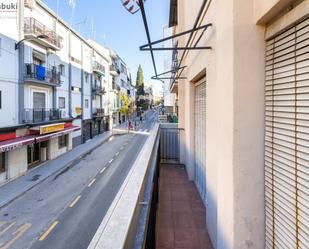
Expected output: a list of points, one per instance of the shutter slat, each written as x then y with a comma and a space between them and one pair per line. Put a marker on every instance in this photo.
287, 139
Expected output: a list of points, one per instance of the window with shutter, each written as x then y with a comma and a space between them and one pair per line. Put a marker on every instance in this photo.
287, 139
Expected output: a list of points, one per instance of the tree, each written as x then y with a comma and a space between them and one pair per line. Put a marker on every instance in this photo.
140, 91
140, 82
125, 104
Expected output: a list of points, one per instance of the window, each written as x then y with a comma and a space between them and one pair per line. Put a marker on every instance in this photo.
86, 103
61, 102
62, 141
122, 68
0, 100
62, 69
86, 77
2, 162
0, 47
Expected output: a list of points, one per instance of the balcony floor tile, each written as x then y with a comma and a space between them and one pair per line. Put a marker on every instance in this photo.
181, 214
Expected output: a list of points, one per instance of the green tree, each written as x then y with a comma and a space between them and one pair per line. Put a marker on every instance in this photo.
140, 82
140, 91
125, 104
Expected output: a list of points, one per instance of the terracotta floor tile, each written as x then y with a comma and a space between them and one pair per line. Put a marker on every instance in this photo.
197, 206
199, 219
181, 207
165, 195
204, 239
165, 206
186, 237
184, 220
180, 196
164, 220
165, 238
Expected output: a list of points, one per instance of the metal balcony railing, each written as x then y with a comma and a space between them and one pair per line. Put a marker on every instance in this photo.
99, 90
35, 28
39, 73
114, 70
99, 112
39, 115
97, 67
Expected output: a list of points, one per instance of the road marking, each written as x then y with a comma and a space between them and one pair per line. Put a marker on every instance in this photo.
110, 161
18, 233
102, 170
117, 154
48, 231
75, 201
92, 182
7, 228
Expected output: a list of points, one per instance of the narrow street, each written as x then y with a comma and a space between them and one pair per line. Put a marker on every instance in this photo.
73, 202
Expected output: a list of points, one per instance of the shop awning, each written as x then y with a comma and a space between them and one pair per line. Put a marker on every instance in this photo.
57, 134
16, 143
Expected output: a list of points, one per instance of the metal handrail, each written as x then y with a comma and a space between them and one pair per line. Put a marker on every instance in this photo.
33, 26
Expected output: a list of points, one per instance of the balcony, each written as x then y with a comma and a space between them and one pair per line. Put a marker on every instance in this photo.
98, 68
34, 28
39, 74
99, 112
41, 115
174, 87
114, 70
157, 207
98, 90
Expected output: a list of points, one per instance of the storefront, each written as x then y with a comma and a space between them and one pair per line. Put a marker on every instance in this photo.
34, 146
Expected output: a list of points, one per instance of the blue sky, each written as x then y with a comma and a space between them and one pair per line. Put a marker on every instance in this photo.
118, 29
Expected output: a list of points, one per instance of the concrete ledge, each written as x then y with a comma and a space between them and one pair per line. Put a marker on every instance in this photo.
115, 229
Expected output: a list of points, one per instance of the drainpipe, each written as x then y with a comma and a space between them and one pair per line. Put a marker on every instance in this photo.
82, 92
21, 62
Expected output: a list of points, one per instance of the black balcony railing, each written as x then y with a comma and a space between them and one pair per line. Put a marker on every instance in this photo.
42, 74
113, 69
34, 27
99, 112
99, 90
39, 115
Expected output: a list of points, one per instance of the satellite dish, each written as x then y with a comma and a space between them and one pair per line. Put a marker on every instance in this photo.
132, 6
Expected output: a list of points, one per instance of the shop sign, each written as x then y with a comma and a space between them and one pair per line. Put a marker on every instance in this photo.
51, 128
78, 110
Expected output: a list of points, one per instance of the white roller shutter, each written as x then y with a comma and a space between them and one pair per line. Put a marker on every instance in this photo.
200, 137
287, 139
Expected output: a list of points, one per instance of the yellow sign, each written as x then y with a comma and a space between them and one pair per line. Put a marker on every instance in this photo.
78, 110
51, 128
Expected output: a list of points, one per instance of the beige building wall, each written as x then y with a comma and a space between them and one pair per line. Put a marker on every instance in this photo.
235, 76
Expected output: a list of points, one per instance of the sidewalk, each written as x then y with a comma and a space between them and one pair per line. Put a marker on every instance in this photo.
15, 188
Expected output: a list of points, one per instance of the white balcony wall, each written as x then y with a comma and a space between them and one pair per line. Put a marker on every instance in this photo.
76, 47
8, 81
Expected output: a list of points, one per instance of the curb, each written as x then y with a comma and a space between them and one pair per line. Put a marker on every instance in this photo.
58, 172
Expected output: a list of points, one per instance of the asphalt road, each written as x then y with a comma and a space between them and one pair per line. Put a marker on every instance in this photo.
64, 211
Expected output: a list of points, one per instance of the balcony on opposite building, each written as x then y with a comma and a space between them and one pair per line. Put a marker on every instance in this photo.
99, 112
41, 115
98, 90
40, 74
33, 29
98, 68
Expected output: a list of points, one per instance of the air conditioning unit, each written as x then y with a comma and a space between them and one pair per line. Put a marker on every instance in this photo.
29, 3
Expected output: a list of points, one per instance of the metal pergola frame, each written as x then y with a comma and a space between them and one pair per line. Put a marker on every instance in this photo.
178, 70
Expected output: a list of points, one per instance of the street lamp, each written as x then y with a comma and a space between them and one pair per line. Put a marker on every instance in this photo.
17, 45
132, 6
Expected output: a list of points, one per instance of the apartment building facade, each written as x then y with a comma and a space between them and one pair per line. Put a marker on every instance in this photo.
243, 111
54, 88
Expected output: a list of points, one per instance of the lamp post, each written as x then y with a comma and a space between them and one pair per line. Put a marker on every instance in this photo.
17, 45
